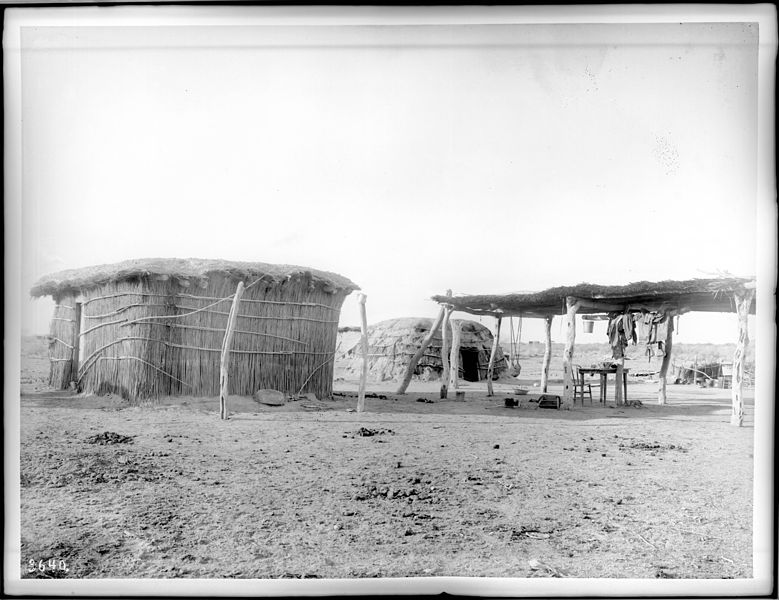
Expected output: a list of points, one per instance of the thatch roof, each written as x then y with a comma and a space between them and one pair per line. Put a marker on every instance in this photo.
192, 270
708, 295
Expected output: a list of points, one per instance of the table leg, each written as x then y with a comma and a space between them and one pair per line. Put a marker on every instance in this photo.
603, 381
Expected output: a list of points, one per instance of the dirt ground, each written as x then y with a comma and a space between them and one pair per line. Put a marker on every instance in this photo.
413, 486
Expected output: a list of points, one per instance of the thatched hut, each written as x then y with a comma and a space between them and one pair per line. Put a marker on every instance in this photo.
154, 327
392, 343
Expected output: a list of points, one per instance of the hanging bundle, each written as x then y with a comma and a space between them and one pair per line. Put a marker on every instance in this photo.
655, 346
512, 343
621, 331
514, 347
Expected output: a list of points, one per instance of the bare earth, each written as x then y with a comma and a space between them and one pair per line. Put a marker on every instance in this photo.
443, 487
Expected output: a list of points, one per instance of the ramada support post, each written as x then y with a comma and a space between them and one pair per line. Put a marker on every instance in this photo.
669, 338
572, 306
619, 396
419, 353
491, 365
364, 343
454, 354
547, 354
743, 301
445, 349
227, 342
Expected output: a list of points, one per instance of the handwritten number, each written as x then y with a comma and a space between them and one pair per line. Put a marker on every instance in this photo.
52, 564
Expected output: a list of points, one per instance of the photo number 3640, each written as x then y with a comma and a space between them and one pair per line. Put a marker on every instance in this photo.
49, 565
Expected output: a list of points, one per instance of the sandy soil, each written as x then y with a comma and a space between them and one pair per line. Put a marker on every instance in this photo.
407, 488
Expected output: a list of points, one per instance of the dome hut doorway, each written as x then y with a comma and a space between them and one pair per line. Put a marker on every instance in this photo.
469, 364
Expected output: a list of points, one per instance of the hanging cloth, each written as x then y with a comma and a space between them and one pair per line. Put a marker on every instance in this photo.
621, 331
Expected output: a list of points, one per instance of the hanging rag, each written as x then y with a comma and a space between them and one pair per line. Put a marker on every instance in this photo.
621, 331
655, 345
644, 326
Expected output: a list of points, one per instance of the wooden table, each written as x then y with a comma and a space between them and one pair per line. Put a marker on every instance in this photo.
604, 372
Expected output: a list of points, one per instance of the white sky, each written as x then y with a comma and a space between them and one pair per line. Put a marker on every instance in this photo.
485, 159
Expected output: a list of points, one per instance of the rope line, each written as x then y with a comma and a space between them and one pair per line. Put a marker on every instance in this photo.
56, 339
314, 371
195, 297
146, 363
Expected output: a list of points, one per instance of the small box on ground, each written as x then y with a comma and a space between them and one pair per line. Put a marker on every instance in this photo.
549, 401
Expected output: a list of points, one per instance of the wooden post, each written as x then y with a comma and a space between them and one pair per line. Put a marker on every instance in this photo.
227, 342
445, 349
364, 343
547, 353
743, 301
511, 342
491, 365
619, 398
412, 364
669, 338
571, 305
454, 354
75, 362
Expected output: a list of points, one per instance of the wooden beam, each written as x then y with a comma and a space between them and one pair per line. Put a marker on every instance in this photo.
669, 339
598, 305
571, 306
594, 304
227, 342
445, 348
743, 302
491, 365
454, 354
479, 311
412, 364
547, 354
364, 343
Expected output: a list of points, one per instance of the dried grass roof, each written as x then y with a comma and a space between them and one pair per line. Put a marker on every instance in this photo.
196, 269
707, 295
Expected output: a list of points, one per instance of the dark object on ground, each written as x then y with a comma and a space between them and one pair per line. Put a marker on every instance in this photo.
353, 395
365, 432
549, 401
510, 402
109, 437
426, 400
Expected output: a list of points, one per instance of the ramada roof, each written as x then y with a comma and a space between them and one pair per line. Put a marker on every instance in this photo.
706, 295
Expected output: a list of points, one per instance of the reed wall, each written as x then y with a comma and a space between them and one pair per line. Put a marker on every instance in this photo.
157, 336
63, 342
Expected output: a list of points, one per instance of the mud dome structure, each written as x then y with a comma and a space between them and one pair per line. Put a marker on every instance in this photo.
154, 327
392, 343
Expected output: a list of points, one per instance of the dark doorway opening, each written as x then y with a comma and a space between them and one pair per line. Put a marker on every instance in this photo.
469, 361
